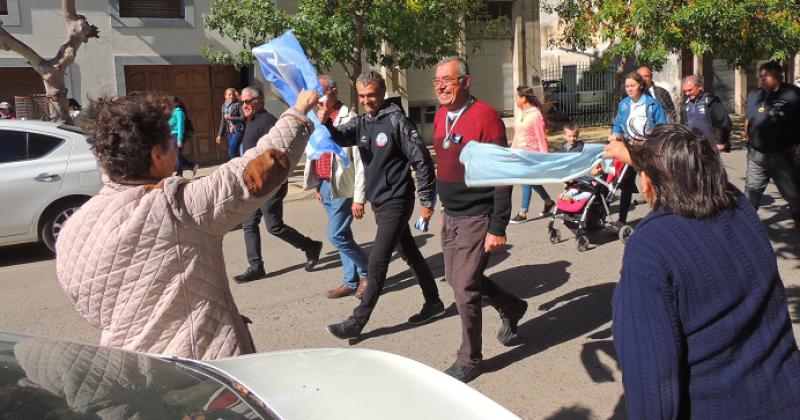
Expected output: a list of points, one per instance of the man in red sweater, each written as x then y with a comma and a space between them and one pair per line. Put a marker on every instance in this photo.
475, 219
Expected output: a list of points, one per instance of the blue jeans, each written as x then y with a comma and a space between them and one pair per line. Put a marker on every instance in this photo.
234, 144
354, 260
526, 195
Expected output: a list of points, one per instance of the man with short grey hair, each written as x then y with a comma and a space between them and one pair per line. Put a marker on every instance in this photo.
475, 218
706, 113
258, 123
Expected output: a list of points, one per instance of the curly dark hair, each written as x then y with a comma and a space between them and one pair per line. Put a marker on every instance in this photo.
123, 130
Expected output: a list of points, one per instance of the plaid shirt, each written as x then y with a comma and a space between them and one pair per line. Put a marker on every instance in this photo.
323, 164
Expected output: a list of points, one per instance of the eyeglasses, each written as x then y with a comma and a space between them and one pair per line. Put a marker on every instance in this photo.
250, 101
446, 81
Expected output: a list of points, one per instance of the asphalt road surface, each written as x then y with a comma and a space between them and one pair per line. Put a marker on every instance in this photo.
566, 368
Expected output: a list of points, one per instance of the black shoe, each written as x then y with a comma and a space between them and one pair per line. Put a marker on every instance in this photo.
507, 335
251, 274
463, 373
428, 312
519, 218
312, 255
348, 328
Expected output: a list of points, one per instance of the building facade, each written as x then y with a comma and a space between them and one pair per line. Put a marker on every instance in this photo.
158, 44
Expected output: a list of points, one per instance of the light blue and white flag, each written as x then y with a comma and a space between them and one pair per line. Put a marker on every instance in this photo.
490, 165
286, 66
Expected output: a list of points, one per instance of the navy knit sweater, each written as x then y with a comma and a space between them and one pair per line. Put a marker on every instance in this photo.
701, 324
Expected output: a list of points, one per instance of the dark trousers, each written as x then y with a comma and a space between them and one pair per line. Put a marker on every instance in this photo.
272, 211
627, 186
392, 218
183, 163
464, 262
782, 167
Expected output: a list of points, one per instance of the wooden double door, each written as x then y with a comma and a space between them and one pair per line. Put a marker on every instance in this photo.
202, 89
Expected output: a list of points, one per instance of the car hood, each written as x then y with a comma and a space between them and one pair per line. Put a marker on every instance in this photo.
356, 384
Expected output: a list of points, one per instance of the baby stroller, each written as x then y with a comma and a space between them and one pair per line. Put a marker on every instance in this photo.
589, 212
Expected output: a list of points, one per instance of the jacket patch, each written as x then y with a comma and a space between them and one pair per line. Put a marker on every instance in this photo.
266, 172
382, 139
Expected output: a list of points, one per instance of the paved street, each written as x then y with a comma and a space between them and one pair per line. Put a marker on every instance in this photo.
565, 370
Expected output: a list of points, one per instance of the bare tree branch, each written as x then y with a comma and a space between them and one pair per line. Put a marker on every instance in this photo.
68, 6
9, 42
52, 70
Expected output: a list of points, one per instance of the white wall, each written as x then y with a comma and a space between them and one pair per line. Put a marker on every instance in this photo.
96, 70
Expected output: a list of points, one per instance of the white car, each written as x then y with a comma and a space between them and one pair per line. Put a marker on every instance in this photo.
64, 379
46, 173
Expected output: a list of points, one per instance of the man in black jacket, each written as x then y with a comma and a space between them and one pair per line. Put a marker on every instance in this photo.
773, 138
661, 94
706, 113
259, 122
390, 145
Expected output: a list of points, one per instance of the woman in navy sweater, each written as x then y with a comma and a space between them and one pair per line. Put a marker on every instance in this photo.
701, 324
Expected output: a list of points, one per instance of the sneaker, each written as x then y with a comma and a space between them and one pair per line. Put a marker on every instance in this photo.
251, 274
507, 335
463, 373
519, 218
348, 328
194, 169
548, 206
428, 312
312, 255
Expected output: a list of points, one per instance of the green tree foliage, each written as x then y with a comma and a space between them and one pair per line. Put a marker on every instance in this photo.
738, 31
343, 32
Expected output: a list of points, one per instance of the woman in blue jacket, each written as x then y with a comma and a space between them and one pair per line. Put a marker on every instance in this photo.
636, 116
177, 126
700, 317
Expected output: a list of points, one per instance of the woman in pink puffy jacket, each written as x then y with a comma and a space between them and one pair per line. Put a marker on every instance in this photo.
142, 261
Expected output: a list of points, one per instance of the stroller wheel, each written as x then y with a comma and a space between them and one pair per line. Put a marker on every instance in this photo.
583, 243
624, 233
555, 236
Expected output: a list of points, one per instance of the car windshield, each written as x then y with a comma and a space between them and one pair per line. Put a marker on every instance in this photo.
45, 378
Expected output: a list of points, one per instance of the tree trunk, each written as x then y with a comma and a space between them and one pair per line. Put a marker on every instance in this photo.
358, 48
52, 70
619, 81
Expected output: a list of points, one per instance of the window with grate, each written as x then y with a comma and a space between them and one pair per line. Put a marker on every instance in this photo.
3, 7
165, 9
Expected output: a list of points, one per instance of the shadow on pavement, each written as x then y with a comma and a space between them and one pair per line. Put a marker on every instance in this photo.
576, 412
580, 312
24, 254
785, 239
527, 281
450, 311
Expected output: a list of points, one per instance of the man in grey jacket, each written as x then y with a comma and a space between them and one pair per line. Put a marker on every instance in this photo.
340, 190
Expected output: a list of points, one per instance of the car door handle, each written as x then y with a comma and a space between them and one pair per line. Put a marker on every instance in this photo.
45, 177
